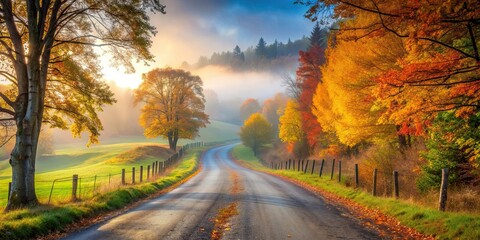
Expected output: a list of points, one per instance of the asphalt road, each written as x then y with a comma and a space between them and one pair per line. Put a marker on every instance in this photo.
268, 208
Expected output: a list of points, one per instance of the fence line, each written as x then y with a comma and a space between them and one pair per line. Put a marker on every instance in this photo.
82, 187
383, 183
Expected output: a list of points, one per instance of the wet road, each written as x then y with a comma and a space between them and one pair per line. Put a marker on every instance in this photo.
268, 208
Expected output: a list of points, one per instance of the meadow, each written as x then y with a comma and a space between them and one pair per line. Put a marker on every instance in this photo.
99, 166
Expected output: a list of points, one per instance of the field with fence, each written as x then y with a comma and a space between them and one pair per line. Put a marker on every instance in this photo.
99, 167
81, 174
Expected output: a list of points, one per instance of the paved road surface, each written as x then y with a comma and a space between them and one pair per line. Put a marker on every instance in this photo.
268, 207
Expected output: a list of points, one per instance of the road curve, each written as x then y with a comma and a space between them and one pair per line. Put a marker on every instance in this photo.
268, 208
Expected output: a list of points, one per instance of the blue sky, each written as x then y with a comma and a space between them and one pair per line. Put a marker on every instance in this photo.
198, 27
194, 28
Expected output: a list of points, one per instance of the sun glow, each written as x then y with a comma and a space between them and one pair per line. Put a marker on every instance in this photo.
121, 78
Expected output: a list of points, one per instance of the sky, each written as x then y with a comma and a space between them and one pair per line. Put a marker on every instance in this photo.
194, 28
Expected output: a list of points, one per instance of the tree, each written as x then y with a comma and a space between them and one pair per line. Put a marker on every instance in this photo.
249, 107
440, 71
308, 77
318, 37
291, 130
453, 143
290, 127
256, 132
345, 103
261, 49
272, 108
47, 50
174, 104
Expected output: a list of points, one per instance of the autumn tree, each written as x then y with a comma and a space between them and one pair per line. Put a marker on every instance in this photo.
174, 104
344, 103
249, 107
441, 70
291, 130
47, 54
256, 132
308, 77
272, 108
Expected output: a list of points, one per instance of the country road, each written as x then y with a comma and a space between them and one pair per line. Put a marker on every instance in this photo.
267, 207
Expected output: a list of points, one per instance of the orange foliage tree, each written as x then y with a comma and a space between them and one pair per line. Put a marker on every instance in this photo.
308, 77
441, 70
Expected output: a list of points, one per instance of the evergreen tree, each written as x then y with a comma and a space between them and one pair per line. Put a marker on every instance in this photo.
261, 49
317, 36
238, 54
273, 50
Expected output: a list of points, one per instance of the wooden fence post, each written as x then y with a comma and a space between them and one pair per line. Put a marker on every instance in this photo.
333, 169
156, 168
148, 172
339, 171
321, 168
306, 166
313, 166
374, 189
303, 161
133, 175
443, 190
9, 190
163, 166
298, 167
395, 184
74, 187
289, 164
293, 161
153, 169
123, 176
141, 173
356, 175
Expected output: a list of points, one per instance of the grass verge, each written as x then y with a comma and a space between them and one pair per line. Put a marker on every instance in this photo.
428, 221
43, 220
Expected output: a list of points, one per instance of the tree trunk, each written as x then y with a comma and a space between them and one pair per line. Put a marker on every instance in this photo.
23, 168
172, 141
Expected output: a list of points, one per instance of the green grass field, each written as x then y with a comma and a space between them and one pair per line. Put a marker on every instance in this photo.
34, 222
100, 160
429, 221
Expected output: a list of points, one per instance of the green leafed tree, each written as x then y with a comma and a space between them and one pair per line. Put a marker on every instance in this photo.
174, 104
256, 132
46, 51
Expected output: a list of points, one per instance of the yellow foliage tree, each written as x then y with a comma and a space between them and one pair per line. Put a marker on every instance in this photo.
174, 104
290, 127
344, 103
256, 132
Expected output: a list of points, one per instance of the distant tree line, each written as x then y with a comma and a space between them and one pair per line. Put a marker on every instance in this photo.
261, 56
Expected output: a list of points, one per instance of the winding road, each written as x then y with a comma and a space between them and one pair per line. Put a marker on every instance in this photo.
267, 207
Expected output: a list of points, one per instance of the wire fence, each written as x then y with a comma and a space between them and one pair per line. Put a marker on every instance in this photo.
78, 187
387, 182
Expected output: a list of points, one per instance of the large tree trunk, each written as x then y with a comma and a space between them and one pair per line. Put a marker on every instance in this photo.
172, 140
28, 122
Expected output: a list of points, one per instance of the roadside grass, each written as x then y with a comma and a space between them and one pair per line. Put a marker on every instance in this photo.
429, 221
42, 220
98, 161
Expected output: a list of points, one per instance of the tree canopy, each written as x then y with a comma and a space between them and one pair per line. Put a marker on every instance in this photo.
174, 104
256, 132
46, 50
